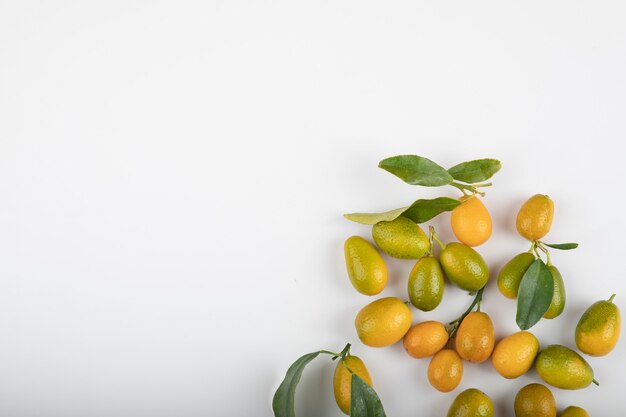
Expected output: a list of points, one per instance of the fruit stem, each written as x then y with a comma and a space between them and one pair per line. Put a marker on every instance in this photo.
431, 231
611, 299
544, 250
454, 325
433, 235
595, 382
470, 188
345, 352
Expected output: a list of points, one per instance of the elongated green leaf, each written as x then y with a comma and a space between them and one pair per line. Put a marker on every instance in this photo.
423, 210
416, 170
284, 398
475, 171
420, 211
535, 294
562, 246
373, 218
364, 401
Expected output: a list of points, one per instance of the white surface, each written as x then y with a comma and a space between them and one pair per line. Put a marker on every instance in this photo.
173, 174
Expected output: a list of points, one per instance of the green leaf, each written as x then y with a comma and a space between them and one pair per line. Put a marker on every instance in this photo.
283, 402
373, 218
534, 295
475, 171
416, 170
423, 210
420, 211
364, 401
562, 246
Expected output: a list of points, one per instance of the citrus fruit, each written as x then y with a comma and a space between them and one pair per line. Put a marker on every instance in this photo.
475, 337
558, 296
445, 370
426, 284
598, 329
383, 322
512, 272
464, 267
534, 218
366, 268
400, 238
471, 403
425, 339
471, 222
573, 411
535, 400
514, 355
563, 368
342, 380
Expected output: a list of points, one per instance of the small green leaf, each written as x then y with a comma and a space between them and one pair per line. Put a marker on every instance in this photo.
535, 294
562, 246
364, 401
284, 398
373, 218
416, 170
475, 171
423, 210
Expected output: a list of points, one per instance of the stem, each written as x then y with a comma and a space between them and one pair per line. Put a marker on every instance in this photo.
470, 188
431, 232
533, 244
544, 250
434, 236
611, 299
342, 354
454, 325
595, 382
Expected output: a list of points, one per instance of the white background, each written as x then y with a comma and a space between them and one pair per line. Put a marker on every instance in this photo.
173, 174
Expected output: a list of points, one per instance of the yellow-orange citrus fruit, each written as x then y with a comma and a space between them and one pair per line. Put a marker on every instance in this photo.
425, 339
598, 329
557, 305
535, 400
573, 411
534, 218
471, 403
401, 238
342, 380
366, 268
445, 370
475, 338
471, 222
383, 322
515, 354
563, 368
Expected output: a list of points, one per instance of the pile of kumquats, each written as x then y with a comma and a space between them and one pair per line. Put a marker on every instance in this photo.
529, 277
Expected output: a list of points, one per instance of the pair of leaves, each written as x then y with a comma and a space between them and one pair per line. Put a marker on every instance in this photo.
364, 401
417, 170
420, 211
535, 294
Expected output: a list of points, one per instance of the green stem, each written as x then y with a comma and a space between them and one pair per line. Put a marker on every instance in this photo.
434, 236
335, 355
544, 250
611, 299
454, 325
431, 233
595, 382
470, 188
533, 244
